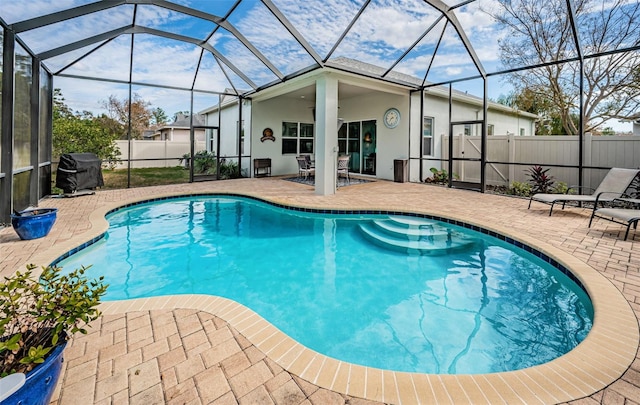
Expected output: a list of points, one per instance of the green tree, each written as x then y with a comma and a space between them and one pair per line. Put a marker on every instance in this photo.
539, 31
536, 102
158, 116
81, 132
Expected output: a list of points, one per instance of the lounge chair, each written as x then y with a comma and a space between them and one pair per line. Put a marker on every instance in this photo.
613, 186
623, 216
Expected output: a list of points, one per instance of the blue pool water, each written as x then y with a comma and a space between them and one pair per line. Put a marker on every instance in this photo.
399, 293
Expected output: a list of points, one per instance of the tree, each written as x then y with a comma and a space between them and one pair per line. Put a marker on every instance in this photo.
158, 116
141, 114
81, 132
550, 122
539, 31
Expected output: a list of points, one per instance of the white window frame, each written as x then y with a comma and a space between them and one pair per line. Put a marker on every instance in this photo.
298, 137
430, 136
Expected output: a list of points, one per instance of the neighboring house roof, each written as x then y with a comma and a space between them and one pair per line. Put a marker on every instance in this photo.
183, 122
149, 133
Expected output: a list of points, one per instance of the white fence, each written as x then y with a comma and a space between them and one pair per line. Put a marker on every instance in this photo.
162, 153
599, 151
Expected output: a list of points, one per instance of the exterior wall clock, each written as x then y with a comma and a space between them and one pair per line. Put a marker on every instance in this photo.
391, 118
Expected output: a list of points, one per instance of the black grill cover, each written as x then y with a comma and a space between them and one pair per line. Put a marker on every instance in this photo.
79, 171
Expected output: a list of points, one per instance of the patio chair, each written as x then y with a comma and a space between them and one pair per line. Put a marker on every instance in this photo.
622, 216
304, 168
343, 167
310, 162
613, 186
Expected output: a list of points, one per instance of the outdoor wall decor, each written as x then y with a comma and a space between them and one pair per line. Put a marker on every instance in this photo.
267, 135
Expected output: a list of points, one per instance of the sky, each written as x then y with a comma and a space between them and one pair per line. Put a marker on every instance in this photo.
380, 36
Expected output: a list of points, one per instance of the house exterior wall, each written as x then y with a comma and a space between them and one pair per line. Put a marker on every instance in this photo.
401, 142
227, 122
391, 143
271, 114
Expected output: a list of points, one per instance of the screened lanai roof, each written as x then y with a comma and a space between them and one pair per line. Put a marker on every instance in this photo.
248, 45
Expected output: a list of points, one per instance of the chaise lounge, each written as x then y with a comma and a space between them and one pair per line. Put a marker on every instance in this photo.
613, 186
623, 216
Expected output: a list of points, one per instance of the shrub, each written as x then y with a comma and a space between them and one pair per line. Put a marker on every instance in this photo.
439, 176
229, 170
520, 189
560, 188
204, 162
539, 180
36, 313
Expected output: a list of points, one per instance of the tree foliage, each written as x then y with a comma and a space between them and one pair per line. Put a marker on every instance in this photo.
158, 116
141, 114
539, 32
75, 132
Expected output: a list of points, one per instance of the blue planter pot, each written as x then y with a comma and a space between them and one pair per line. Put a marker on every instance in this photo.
40, 382
34, 223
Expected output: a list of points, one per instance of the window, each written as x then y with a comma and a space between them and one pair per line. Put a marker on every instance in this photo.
521, 131
467, 129
490, 129
427, 136
297, 138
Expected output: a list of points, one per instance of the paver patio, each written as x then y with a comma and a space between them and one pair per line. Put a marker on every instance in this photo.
154, 351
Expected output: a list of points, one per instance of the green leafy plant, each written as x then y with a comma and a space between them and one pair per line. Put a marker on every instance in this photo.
229, 170
560, 188
439, 176
204, 162
35, 314
520, 189
540, 181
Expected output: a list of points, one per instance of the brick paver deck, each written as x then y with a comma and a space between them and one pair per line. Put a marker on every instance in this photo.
206, 350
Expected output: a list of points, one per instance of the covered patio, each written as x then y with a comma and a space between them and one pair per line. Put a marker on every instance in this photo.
177, 351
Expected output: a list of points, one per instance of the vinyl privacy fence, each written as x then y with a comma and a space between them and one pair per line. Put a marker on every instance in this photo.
514, 155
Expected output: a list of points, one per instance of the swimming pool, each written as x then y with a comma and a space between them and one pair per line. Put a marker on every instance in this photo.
425, 311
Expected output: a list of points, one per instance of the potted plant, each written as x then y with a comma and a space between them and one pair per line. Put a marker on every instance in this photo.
33, 223
37, 316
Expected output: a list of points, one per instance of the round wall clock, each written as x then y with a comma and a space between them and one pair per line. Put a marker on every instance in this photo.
392, 118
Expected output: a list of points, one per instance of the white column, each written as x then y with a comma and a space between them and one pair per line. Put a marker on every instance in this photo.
326, 134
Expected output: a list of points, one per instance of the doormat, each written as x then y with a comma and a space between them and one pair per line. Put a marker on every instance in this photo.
342, 182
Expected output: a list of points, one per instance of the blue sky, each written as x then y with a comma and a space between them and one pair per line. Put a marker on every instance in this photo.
380, 36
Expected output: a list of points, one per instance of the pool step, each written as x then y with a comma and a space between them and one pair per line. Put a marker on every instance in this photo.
415, 235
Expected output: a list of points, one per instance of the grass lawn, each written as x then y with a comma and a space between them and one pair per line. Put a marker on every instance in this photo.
151, 176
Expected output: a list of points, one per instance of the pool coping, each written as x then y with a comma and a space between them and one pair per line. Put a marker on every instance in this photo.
598, 361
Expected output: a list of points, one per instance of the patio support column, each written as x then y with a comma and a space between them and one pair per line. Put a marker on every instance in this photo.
326, 149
